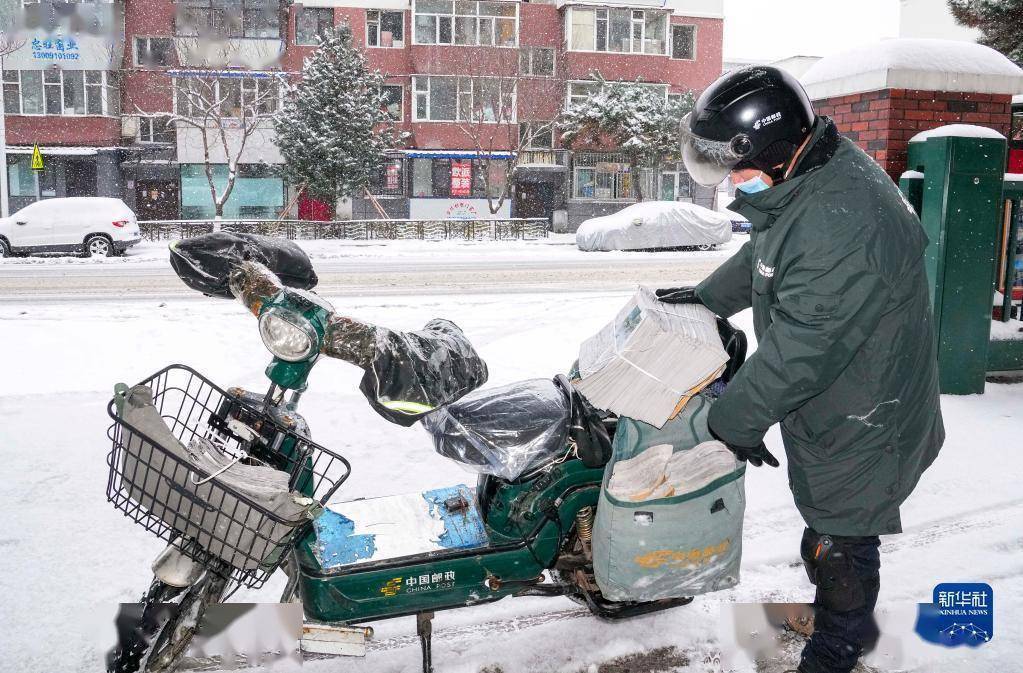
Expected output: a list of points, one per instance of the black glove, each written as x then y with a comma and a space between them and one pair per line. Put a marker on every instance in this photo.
678, 295
755, 455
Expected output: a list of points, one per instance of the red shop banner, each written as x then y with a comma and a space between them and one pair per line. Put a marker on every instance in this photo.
461, 178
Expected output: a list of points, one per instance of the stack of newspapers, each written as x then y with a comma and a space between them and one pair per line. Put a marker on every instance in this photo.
651, 359
657, 472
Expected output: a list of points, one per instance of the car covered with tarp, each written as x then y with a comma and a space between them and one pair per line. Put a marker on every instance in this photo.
654, 225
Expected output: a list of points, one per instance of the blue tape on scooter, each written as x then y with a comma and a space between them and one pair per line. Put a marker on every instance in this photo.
463, 528
336, 545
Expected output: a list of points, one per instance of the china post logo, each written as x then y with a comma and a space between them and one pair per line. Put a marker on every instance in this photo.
961, 614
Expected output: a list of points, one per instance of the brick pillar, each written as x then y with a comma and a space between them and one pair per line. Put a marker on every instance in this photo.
882, 122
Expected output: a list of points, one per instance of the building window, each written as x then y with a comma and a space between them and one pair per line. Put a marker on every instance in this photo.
237, 96
258, 193
487, 99
536, 135
626, 31
385, 29
153, 52
389, 180
683, 42
156, 130
393, 98
312, 23
578, 92
607, 177
457, 178
536, 61
466, 22
61, 92
229, 18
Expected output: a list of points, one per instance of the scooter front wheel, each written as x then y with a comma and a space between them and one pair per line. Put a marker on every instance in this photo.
155, 635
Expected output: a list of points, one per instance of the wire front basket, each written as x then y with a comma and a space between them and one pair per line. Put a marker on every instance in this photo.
225, 527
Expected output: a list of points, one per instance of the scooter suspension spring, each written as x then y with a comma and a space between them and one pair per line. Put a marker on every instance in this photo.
584, 523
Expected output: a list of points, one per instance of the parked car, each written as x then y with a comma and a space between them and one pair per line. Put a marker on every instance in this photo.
89, 225
652, 225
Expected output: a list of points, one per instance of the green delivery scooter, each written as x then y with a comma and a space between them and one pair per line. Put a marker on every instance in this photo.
524, 537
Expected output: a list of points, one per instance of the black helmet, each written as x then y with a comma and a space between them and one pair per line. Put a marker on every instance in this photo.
755, 116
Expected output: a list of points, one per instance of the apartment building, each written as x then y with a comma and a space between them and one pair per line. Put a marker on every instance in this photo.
100, 119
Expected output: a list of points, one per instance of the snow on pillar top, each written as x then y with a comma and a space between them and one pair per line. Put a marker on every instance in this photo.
905, 63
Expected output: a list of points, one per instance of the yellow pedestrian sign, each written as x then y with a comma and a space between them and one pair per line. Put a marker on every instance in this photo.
37, 158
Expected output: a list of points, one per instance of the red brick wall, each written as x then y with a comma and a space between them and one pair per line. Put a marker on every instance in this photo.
54, 130
882, 122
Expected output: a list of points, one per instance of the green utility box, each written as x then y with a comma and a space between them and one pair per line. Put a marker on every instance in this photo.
959, 200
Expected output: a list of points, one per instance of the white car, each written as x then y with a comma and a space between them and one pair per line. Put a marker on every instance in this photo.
91, 225
651, 225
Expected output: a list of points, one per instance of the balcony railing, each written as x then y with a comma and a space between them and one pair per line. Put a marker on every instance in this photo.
540, 157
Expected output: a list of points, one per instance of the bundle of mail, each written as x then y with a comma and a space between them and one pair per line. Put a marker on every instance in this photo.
657, 472
651, 359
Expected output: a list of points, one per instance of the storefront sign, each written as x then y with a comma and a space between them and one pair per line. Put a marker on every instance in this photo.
393, 176
461, 178
56, 49
612, 167
456, 209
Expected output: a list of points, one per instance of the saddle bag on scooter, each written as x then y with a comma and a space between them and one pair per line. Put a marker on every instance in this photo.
240, 513
669, 518
205, 262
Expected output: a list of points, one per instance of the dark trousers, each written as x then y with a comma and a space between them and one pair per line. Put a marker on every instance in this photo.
844, 627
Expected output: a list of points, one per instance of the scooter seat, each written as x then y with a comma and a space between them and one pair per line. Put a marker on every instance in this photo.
507, 431
397, 526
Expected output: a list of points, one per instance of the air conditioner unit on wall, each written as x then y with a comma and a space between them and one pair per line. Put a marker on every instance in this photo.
129, 126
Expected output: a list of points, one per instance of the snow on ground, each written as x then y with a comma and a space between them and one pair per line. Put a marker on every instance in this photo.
154, 254
66, 557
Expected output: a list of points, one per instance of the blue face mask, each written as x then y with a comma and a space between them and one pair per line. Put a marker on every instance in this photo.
753, 185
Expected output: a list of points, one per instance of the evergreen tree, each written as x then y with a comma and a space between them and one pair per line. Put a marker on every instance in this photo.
636, 120
334, 128
999, 21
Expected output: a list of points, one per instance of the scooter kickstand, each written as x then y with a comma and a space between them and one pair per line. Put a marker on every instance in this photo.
424, 627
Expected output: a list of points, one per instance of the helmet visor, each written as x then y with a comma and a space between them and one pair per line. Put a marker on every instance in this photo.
708, 161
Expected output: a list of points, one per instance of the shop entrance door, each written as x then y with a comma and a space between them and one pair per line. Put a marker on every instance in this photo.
156, 199
534, 199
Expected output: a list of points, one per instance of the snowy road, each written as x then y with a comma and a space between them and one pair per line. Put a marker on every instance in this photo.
367, 268
66, 557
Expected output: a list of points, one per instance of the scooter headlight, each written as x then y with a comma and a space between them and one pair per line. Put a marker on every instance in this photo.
288, 335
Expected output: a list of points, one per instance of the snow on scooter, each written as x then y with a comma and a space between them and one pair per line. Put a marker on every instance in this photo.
190, 461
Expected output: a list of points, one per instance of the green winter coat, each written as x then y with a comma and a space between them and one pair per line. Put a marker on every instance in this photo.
846, 359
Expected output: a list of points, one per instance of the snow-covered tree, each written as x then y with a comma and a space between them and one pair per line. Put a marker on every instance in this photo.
636, 120
334, 128
999, 21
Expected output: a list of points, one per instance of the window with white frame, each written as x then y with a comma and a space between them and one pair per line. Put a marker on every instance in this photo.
385, 29
312, 23
467, 22
229, 18
683, 42
157, 129
487, 99
154, 52
537, 61
237, 96
61, 92
537, 135
578, 92
393, 99
626, 31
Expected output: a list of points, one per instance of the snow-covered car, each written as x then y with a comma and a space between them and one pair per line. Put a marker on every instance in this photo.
95, 226
655, 224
